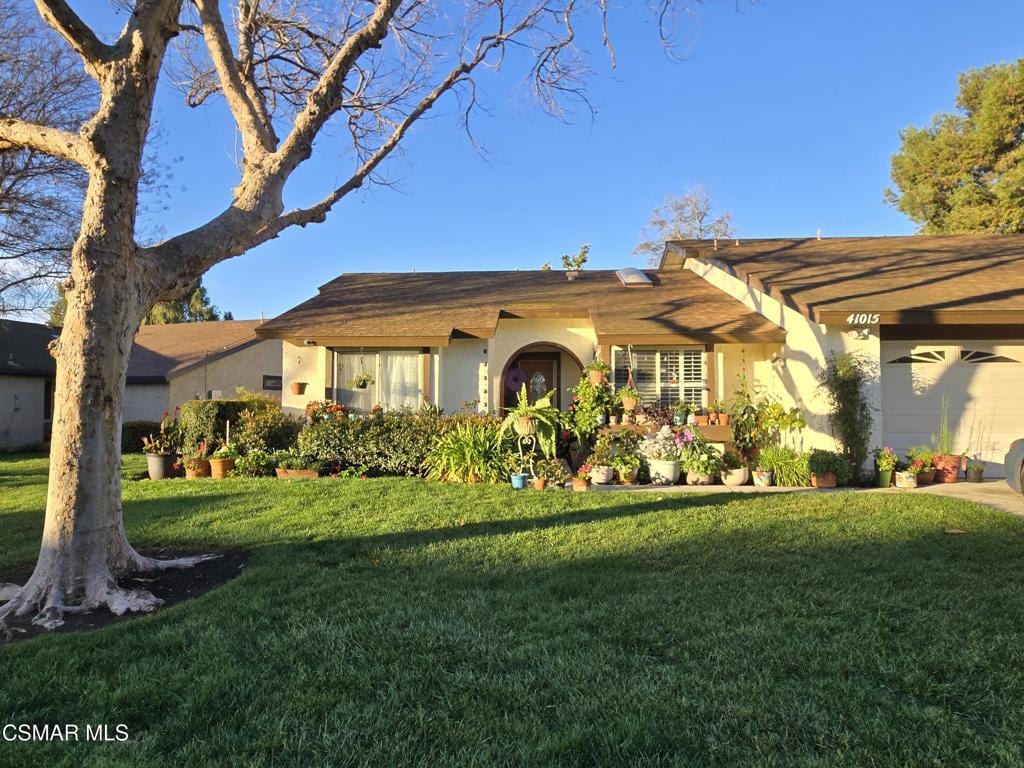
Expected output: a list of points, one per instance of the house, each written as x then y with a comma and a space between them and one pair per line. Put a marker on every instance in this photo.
939, 319
173, 363
169, 364
26, 383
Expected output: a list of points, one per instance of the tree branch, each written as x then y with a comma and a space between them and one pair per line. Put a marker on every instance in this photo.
59, 15
21, 134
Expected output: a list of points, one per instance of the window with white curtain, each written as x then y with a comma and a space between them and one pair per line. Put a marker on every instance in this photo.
665, 375
395, 378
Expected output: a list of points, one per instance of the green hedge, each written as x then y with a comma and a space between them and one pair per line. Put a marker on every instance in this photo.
201, 419
132, 433
395, 443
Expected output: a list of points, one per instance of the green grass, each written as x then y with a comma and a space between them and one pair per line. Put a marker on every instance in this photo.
399, 622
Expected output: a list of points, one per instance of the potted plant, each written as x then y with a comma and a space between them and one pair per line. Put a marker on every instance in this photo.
197, 462
581, 481
628, 397
222, 461
597, 370
627, 467
293, 466
828, 468
360, 381
906, 478
661, 450
734, 469
701, 417
885, 462
975, 470
539, 418
680, 412
719, 414
600, 461
762, 477
946, 463
549, 472
298, 387
573, 264
702, 462
920, 460
161, 449
691, 414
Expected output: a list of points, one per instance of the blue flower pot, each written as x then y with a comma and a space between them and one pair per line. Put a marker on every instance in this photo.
519, 480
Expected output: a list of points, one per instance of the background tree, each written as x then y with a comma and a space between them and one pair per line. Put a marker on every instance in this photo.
965, 172
689, 216
295, 76
43, 82
196, 308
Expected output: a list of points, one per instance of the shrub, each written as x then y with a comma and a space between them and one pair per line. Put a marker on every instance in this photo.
552, 470
732, 460
132, 433
469, 453
845, 379
789, 466
255, 463
266, 429
206, 419
822, 462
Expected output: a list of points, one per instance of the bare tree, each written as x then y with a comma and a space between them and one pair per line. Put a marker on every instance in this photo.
41, 81
683, 217
296, 76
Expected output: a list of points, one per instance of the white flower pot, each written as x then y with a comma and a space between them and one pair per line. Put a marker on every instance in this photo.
696, 478
602, 475
664, 472
734, 477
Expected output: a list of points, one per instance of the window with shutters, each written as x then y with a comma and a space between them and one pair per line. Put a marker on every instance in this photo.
665, 375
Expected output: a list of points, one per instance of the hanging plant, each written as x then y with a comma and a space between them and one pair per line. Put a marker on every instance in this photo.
361, 381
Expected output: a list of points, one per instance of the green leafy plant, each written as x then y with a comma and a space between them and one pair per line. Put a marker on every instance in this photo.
255, 463
625, 461
626, 392
470, 453
296, 460
702, 458
943, 441
602, 454
589, 401
575, 263
196, 457
551, 470
788, 465
976, 465
265, 429
208, 419
820, 462
732, 460
886, 459
845, 379
598, 364
135, 433
168, 440
226, 451
921, 458
547, 418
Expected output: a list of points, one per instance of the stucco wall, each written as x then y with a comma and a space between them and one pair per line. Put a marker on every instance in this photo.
462, 374
794, 376
308, 364
244, 368
21, 411
146, 402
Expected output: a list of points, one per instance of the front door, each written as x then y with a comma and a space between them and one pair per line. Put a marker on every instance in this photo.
540, 378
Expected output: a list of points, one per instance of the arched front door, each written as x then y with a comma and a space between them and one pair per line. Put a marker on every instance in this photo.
542, 367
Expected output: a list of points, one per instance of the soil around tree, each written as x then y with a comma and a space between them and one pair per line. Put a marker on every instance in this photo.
173, 586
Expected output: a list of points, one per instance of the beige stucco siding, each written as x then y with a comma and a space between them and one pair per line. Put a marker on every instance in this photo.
146, 402
308, 364
462, 375
793, 375
223, 376
21, 411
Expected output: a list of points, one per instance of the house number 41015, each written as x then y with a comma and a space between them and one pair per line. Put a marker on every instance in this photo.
862, 318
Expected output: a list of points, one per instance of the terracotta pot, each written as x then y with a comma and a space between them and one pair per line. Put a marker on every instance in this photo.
947, 468
580, 484
597, 377
827, 480
540, 483
701, 421
525, 425
613, 420
201, 469
298, 387
723, 419
629, 403
160, 465
219, 468
927, 477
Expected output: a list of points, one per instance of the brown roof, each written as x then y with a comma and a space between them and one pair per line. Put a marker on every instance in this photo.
430, 308
917, 279
162, 352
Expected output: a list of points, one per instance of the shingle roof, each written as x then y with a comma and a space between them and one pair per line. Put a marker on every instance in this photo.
162, 352
429, 308
23, 349
915, 279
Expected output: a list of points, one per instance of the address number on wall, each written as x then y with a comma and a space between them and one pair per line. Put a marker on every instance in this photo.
862, 318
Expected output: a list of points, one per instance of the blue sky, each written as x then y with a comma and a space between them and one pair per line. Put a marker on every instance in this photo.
787, 112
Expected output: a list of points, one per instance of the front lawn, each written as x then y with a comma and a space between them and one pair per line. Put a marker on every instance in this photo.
400, 622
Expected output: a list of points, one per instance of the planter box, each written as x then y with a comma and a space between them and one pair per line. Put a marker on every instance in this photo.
906, 480
827, 480
296, 474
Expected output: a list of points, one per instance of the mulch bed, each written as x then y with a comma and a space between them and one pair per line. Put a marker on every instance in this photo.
172, 586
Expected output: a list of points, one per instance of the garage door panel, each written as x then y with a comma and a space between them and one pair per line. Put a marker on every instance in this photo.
983, 383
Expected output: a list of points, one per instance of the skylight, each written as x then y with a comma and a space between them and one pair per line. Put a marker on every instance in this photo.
631, 277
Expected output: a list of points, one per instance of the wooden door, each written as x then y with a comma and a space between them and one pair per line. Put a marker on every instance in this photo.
540, 378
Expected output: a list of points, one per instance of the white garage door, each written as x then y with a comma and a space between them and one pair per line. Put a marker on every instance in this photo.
983, 382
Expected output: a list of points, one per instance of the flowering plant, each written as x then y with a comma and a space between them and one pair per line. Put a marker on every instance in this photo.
583, 473
886, 460
698, 455
196, 457
325, 410
167, 440
663, 445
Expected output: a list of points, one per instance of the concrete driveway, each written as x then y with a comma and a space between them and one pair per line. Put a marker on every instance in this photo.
992, 493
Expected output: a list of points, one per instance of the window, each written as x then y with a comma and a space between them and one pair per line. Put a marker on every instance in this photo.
394, 379
663, 375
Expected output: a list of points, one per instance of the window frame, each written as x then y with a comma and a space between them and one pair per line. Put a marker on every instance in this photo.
620, 352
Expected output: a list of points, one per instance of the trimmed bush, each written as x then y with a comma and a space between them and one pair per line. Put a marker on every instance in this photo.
206, 420
266, 429
255, 463
132, 433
